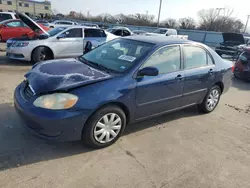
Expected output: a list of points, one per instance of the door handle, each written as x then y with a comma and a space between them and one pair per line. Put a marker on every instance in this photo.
179, 77
210, 71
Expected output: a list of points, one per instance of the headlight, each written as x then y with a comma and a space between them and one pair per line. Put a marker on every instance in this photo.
20, 44
56, 101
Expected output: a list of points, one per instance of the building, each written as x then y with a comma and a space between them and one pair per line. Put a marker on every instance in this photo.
29, 7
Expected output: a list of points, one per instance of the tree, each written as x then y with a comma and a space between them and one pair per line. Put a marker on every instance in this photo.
170, 23
212, 20
187, 23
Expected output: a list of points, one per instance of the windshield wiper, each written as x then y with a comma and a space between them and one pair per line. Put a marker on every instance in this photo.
108, 70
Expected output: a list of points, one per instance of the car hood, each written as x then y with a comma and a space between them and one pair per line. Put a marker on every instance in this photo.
29, 22
233, 38
62, 75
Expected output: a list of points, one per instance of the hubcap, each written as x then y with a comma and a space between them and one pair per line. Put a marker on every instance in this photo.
107, 128
213, 99
42, 56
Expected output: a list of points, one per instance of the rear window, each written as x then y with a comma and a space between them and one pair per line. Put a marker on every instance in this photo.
5, 16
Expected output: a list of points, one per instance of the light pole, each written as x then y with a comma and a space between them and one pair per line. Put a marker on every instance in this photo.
159, 14
248, 16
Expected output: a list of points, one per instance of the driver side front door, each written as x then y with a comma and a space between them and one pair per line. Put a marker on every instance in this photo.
70, 43
159, 94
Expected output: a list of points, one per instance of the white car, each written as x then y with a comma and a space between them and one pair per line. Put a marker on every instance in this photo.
167, 32
7, 16
62, 23
59, 42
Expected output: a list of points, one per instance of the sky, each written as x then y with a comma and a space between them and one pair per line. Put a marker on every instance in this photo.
170, 8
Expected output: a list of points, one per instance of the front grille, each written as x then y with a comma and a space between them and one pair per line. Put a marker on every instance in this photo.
27, 92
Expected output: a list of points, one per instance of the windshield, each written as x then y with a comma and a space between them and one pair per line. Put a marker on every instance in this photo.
160, 31
118, 55
55, 31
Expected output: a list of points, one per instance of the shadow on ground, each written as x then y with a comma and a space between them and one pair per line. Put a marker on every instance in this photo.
240, 84
18, 147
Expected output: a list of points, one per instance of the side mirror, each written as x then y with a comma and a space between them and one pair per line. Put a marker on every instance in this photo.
88, 47
148, 71
62, 36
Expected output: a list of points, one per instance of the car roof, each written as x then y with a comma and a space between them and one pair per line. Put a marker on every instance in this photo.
164, 40
9, 20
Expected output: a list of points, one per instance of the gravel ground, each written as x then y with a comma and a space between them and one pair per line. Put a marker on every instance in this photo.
179, 150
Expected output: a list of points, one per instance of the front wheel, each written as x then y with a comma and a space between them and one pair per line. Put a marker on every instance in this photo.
211, 100
104, 127
41, 54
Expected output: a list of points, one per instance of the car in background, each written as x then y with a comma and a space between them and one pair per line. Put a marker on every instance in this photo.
139, 32
231, 45
62, 23
43, 22
167, 32
120, 31
7, 16
16, 29
59, 42
90, 25
242, 65
93, 97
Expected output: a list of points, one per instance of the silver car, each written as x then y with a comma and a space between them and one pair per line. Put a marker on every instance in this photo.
62, 23
59, 42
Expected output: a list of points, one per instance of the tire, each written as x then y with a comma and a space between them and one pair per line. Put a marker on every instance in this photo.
95, 132
41, 54
214, 96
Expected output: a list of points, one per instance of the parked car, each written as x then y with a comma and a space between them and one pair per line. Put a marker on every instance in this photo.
120, 31
139, 32
7, 16
242, 65
56, 43
16, 29
167, 32
122, 81
43, 22
231, 44
90, 25
62, 23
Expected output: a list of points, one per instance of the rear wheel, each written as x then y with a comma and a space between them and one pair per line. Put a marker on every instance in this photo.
41, 54
104, 127
211, 100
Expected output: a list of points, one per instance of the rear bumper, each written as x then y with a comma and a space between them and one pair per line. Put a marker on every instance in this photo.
242, 74
17, 53
60, 125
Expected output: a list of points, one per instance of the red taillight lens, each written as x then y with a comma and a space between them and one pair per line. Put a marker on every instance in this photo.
233, 67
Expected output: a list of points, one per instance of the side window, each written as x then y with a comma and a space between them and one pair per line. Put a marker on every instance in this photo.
126, 33
14, 24
118, 32
166, 60
209, 60
194, 57
73, 33
94, 33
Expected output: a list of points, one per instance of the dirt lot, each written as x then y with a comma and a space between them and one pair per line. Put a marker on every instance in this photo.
180, 150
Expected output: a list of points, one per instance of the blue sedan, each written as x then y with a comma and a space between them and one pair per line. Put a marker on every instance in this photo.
126, 80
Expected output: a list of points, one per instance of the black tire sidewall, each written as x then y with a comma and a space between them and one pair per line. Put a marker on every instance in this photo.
88, 130
36, 54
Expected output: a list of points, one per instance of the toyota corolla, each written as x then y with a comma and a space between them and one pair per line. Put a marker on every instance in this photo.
93, 97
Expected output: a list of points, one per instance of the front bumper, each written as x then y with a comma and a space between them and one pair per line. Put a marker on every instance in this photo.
19, 53
59, 125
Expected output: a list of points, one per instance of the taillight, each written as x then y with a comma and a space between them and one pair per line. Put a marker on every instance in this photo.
233, 67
